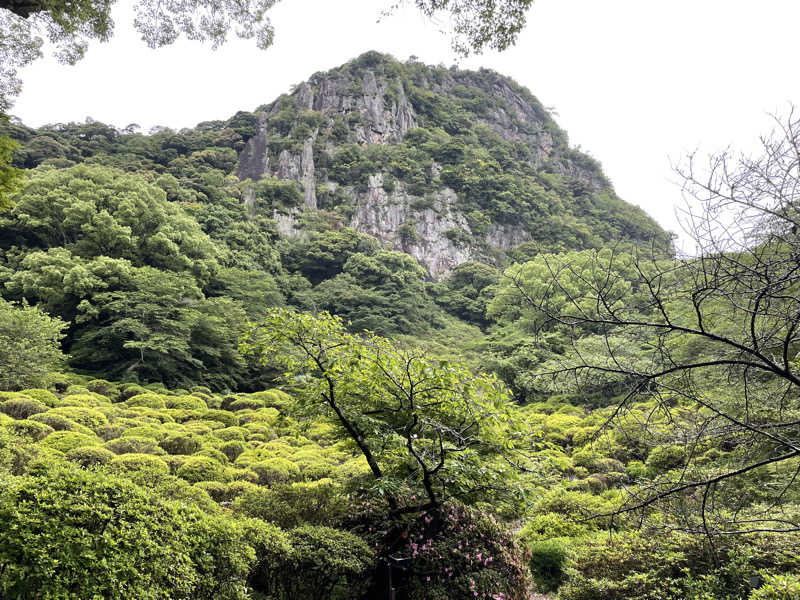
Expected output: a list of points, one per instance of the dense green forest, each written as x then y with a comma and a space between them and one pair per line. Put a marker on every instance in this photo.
390, 324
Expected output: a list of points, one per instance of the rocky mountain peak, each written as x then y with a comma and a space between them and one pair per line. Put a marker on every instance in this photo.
446, 165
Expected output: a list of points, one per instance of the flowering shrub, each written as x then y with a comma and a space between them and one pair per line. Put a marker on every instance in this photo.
454, 553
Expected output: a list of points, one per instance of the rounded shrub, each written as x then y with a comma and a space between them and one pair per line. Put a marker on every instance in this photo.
324, 562
216, 489
90, 456
64, 441
213, 453
233, 449
111, 432
44, 396
181, 443
260, 432
245, 475
66, 532
147, 400
134, 445
288, 506
186, 403
29, 430
174, 461
88, 417
88, 400
221, 416
22, 407
313, 464
76, 389
237, 488
548, 561
550, 525
458, 552
276, 470
202, 468
130, 390
273, 398
272, 549
200, 427
228, 434
262, 415
245, 404
146, 431
60, 422
139, 463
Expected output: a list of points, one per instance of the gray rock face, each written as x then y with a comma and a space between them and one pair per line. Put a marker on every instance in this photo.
375, 109
391, 218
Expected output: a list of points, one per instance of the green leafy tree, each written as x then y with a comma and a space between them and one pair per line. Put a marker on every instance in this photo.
427, 429
10, 177
383, 292
30, 345
146, 327
325, 253
467, 291
96, 211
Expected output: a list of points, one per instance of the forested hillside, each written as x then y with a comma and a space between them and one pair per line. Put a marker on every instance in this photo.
391, 330
316, 200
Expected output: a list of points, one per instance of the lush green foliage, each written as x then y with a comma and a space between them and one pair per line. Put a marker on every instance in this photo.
155, 494
179, 474
30, 345
425, 427
9, 175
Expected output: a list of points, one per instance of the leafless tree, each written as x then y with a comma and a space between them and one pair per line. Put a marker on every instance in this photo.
718, 331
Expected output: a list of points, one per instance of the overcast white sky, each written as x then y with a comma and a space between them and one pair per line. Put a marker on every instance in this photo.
634, 82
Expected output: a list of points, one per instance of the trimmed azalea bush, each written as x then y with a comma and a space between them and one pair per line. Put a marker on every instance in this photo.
60, 422
22, 407
86, 416
134, 445
181, 443
90, 456
288, 506
276, 470
323, 563
233, 449
87, 399
72, 533
202, 468
186, 402
144, 469
672, 566
29, 430
147, 400
44, 396
64, 441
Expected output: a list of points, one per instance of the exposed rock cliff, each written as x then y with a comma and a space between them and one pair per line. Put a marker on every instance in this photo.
446, 165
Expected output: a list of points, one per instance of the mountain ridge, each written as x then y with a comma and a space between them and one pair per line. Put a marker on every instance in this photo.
374, 113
